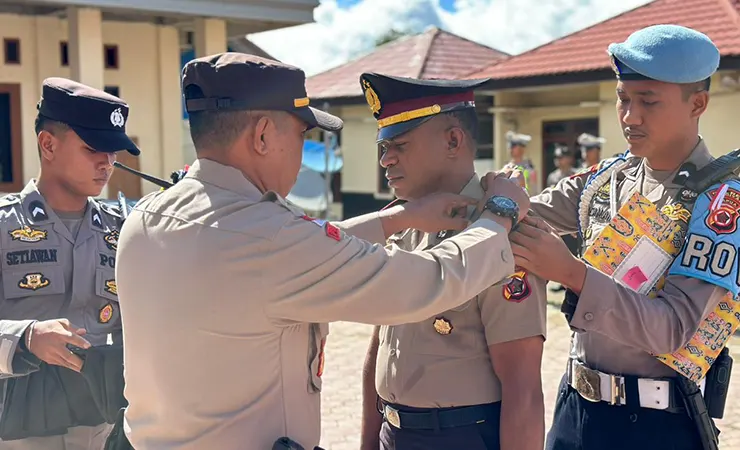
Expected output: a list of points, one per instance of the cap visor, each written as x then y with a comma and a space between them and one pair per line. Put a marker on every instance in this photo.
107, 141
317, 118
393, 131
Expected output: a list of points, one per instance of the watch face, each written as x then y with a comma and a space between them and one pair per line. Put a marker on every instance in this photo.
504, 203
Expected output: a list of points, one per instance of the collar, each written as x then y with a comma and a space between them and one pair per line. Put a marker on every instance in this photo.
225, 177
474, 190
698, 158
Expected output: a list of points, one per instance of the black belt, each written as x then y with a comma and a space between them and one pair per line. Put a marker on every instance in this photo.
437, 418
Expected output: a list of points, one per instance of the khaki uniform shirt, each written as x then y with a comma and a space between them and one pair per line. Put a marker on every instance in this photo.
619, 328
53, 270
226, 290
417, 362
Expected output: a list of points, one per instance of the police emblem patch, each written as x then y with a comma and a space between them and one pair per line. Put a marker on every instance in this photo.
105, 314
27, 234
517, 289
110, 287
723, 210
33, 281
111, 240
442, 326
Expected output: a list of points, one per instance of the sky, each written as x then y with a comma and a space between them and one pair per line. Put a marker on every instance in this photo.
346, 29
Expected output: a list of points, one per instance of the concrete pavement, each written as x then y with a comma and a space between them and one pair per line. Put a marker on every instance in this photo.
345, 354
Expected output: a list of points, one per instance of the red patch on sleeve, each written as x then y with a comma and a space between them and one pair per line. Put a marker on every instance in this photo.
333, 232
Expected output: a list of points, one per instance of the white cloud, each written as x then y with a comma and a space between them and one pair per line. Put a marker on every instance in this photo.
513, 26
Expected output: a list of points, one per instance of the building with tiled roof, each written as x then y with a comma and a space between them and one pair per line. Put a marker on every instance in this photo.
566, 87
434, 53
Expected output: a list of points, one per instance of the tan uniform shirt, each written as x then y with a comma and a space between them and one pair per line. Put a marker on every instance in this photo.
417, 361
224, 292
48, 272
619, 327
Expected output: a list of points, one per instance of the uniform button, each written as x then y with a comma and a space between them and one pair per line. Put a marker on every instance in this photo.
506, 255
393, 352
588, 316
633, 418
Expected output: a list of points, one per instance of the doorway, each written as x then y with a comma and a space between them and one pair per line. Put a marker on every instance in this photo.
123, 181
11, 144
566, 133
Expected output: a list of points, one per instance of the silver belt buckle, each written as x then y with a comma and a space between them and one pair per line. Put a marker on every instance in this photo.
587, 382
391, 415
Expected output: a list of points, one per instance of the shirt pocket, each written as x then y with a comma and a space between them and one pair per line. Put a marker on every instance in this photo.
316, 341
102, 313
452, 333
32, 281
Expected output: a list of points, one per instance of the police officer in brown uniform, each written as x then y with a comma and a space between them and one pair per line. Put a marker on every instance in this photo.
228, 288
440, 382
58, 283
656, 269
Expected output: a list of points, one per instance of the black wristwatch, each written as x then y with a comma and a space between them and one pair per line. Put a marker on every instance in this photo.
503, 207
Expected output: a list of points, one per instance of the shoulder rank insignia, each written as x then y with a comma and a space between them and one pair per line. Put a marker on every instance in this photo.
27, 234
37, 211
111, 240
442, 326
110, 287
517, 289
33, 281
105, 314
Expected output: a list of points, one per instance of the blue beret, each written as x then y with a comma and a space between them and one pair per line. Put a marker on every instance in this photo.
668, 53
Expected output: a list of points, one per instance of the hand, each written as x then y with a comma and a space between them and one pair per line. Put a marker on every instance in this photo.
48, 341
438, 212
539, 249
506, 184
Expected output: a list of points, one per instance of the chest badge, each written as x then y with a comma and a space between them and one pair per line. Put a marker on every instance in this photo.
34, 282
676, 212
442, 326
27, 234
110, 287
111, 240
106, 313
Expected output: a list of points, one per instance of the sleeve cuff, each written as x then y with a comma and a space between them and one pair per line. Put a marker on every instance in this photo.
593, 301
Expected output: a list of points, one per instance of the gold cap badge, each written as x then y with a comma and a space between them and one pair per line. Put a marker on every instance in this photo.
442, 326
371, 97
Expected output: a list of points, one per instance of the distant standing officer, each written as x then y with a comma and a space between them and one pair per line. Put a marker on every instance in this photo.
227, 289
517, 145
590, 149
467, 378
564, 161
623, 385
57, 275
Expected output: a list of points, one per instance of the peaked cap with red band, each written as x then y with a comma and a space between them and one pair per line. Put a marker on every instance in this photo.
402, 104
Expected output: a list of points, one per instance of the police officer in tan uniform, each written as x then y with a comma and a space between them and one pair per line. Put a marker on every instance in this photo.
228, 288
625, 383
58, 282
493, 341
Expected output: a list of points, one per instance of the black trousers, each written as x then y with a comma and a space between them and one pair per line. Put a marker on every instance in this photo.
582, 425
481, 436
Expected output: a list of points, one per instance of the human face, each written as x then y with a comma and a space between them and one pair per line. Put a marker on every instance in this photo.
654, 117
79, 168
517, 152
593, 156
415, 162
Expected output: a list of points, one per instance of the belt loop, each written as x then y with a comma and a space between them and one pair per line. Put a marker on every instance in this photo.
435, 420
632, 393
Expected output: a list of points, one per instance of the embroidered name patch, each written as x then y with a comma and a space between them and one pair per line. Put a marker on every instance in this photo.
713, 243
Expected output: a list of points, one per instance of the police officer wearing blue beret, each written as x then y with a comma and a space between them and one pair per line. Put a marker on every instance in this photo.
651, 222
58, 295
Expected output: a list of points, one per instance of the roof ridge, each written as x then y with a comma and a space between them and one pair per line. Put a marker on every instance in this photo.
427, 51
554, 41
479, 44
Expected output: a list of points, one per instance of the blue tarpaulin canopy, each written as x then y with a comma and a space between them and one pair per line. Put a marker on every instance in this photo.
314, 157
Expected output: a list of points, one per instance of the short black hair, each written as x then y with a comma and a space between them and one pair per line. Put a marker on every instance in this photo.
468, 121
214, 129
692, 88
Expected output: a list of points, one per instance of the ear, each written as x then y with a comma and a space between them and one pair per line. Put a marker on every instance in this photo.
48, 144
455, 141
699, 102
259, 141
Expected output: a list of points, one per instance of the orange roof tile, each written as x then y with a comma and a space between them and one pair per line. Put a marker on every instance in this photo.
585, 50
432, 54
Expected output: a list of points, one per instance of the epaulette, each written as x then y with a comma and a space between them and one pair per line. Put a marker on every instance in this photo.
10, 199
717, 170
